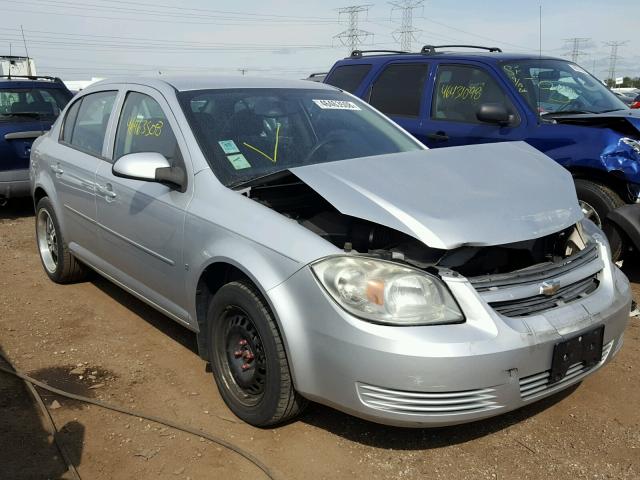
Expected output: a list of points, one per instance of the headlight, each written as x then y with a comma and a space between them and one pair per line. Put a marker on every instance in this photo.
385, 292
630, 142
589, 231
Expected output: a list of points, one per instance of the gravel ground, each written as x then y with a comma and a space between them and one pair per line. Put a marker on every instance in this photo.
134, 356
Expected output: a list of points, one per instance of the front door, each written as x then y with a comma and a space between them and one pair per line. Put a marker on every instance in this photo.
141, 223
458, 92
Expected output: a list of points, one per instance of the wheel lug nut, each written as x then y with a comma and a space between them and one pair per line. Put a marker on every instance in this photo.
242, 342
248, 356
237, 353
245, 367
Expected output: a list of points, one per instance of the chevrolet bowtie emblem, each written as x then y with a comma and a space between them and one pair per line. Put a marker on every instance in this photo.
550, 287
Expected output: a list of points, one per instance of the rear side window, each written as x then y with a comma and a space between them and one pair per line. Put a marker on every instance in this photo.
70, 121
143, 127
461, 90
348, 77
398, 90
90, 123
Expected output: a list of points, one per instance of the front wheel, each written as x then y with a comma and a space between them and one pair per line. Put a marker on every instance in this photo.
58, 262
597, 201
248, 359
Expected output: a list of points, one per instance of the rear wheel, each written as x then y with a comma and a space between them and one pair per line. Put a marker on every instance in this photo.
597, 201
59, 264
248, 359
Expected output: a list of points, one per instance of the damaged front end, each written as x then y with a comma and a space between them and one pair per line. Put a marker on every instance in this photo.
516, 279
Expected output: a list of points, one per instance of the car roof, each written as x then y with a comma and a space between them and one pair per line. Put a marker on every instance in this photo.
214, 82
492, 57
26, 82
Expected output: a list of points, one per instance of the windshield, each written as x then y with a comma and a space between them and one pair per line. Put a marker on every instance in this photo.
248, 133
557, 86
29, 103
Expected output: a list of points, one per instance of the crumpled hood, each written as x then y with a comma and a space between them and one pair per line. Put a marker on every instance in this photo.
625, 121
487, 194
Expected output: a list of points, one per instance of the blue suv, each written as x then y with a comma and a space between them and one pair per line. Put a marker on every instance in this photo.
28, 108
447, 98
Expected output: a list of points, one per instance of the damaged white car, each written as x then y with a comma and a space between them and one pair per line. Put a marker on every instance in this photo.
321, 253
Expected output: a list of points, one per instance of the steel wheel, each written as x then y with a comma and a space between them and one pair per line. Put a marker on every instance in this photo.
590, 213
47, 240
243, 358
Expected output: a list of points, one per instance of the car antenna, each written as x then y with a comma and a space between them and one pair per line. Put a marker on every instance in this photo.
10, 55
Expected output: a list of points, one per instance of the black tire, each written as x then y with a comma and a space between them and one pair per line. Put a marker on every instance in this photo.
603, 200
60, 265
263, 394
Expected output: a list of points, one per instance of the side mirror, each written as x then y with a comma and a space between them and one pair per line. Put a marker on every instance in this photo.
494, 113
149, 167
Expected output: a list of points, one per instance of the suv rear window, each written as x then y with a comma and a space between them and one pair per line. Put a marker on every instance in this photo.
348, 77
398, 90
30, 103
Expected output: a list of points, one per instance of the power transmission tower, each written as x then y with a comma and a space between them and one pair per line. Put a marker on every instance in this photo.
353, 36
406, 33
613, 59
576, 50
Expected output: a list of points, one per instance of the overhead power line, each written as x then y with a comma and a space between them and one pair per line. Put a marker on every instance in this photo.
120, 6
352, 37
406, 33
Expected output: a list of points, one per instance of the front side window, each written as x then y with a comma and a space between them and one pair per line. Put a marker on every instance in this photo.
32, 103
398, 90
348, 77
90, 125
143, 127
558, 86
247, 133
460, 90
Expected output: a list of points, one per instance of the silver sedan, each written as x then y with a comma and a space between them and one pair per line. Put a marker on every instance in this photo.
321, 253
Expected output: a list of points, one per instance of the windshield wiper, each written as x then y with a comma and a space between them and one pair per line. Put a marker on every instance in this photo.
255, 181
566, 112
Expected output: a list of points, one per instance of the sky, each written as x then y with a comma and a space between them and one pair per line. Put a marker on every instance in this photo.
81, 39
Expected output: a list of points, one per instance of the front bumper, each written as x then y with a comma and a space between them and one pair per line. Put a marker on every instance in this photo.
14, 183
441, 374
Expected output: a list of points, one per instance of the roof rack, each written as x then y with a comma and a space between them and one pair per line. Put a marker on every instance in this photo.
360, 53
33, 77
431, 49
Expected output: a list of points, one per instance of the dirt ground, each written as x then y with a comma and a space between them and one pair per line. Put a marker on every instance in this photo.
136, 357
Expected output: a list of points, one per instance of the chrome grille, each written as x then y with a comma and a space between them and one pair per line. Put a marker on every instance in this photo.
419, 403
539, 303
535, 384
536, 274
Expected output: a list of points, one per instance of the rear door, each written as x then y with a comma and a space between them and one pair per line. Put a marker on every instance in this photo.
73, 162
398, 91
457, 92
141, 223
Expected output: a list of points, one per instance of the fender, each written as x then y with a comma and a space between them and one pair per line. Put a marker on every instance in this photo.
627, 219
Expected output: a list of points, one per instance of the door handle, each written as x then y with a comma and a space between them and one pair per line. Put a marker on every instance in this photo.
107, 191
438, 136
56, 169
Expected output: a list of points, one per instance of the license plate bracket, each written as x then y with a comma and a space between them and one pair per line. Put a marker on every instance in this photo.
586, 348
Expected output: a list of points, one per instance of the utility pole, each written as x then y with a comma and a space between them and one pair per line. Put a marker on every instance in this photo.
352, 37
613, 59
406, 33
576, 50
